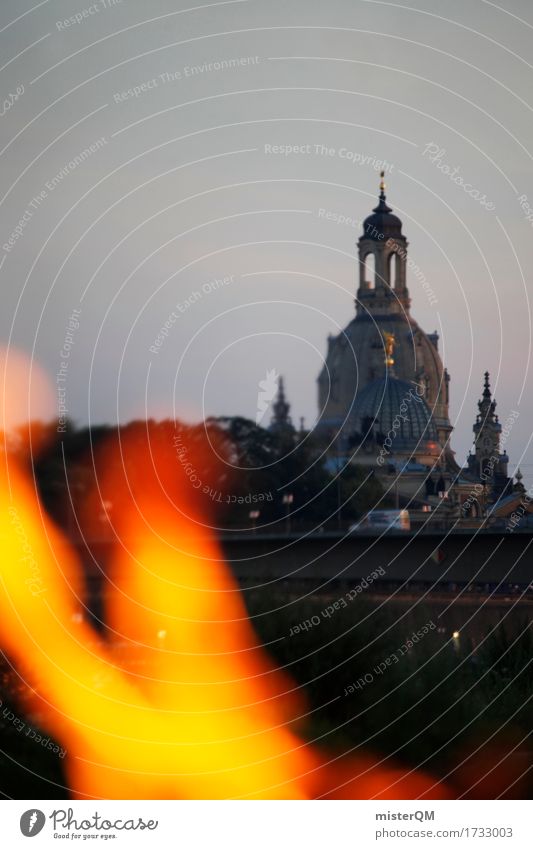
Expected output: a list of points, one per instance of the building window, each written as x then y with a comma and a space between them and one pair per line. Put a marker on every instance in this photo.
370, 271
394, 270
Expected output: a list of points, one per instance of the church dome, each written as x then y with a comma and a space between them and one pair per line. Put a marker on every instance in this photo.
393, 408
382, 224
355, 359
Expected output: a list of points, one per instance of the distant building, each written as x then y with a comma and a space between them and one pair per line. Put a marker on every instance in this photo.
281, 421
383, 394
358, 356
484, 483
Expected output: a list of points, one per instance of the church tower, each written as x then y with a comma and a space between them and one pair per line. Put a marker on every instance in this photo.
281, 420
486, 462
356, 357
382, 262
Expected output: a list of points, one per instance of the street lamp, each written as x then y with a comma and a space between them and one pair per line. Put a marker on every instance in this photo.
456, 636
254, 516
287, 499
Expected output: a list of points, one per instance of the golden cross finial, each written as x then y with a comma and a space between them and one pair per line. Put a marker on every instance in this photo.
382, 185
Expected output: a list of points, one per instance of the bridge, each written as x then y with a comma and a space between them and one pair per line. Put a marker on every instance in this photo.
497, 559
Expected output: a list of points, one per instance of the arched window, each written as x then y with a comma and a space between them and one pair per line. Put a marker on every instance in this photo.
394, 270
370, 271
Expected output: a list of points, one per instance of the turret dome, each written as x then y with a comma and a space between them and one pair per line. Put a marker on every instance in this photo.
382, 224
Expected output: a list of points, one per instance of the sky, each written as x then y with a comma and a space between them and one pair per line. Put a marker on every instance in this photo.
167, 174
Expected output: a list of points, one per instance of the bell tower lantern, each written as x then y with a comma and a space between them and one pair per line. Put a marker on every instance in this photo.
382, 262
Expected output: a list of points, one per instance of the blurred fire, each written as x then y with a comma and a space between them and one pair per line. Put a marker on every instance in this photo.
178, 700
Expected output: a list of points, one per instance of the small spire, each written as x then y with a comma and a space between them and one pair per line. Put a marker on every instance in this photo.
519, 475
280, 409
382, 186
382, 205
486, 390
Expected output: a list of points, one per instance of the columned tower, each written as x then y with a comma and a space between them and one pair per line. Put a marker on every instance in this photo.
382, 262
355, 358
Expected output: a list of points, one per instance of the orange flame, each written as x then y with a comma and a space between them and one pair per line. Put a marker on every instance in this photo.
180, 701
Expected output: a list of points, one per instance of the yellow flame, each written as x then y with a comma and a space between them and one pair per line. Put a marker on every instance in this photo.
182, 702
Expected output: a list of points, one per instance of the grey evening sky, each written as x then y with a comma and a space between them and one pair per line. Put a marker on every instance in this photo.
182, 191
